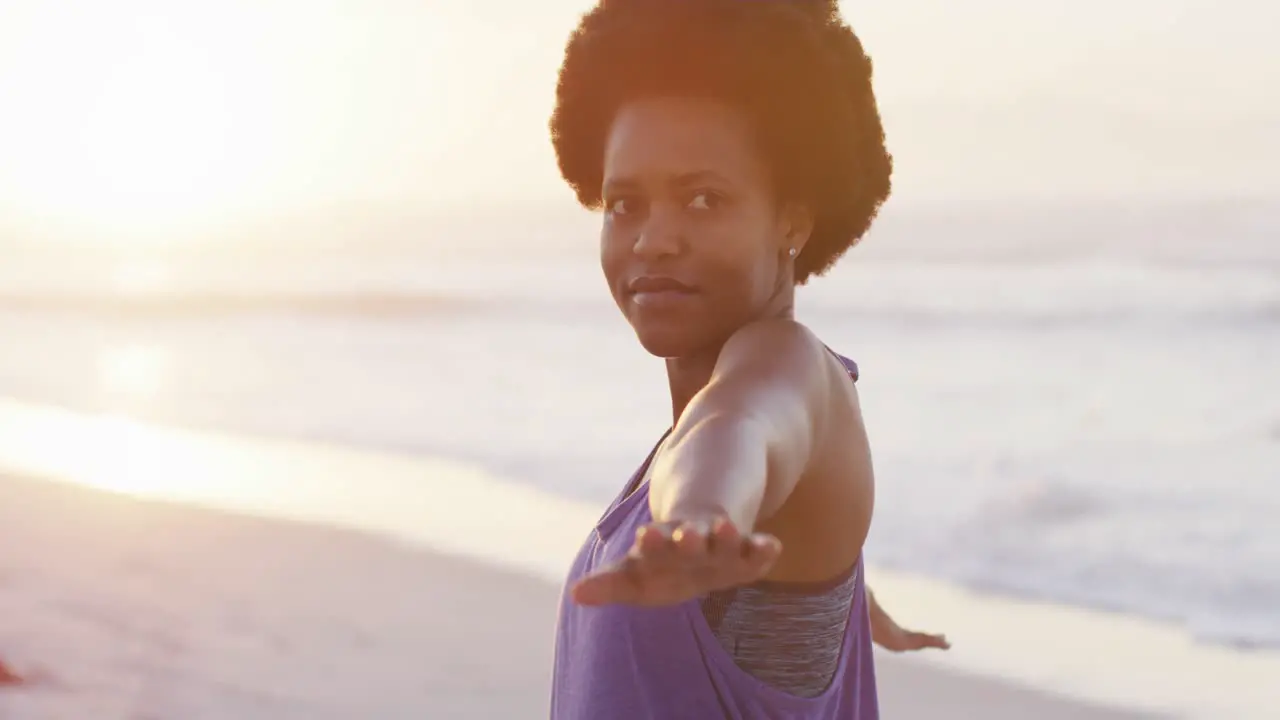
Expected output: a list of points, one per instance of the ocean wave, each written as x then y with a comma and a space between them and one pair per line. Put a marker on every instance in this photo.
1066, 528
409, 306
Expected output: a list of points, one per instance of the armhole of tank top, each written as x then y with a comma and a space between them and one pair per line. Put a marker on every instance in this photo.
850, 367
719, 655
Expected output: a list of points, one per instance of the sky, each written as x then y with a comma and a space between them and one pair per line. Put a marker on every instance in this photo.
149, 118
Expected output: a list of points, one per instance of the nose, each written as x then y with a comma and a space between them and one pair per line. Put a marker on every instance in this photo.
661, 234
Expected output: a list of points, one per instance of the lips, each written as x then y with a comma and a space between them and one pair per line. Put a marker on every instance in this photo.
659, 292
657, 284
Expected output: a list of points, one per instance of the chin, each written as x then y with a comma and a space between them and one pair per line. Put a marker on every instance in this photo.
666, 342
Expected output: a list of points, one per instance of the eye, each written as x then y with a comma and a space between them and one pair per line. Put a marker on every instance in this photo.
705, 200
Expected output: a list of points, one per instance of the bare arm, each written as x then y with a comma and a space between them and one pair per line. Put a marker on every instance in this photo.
734, 459
737, 453
745, 439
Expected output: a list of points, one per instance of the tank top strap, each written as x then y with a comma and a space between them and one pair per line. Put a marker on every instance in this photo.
850, 366
642, 473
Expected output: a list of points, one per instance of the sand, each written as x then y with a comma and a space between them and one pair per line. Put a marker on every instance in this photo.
119, 608
397, 585
125, 609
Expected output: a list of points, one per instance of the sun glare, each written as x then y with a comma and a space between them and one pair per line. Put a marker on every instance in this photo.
132, 122
171, 121
160, 137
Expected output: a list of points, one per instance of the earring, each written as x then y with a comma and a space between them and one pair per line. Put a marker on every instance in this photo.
791, 252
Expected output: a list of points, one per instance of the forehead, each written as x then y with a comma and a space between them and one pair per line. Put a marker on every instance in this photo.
658, 138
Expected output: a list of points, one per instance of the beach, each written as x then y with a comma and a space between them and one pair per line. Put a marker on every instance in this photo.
334, 604
114, 607
117, 608
377, 439
312, 385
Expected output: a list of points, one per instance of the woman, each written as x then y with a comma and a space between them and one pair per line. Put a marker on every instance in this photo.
736, 150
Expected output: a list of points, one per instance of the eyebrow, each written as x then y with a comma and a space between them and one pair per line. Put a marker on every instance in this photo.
685, 179
697, 177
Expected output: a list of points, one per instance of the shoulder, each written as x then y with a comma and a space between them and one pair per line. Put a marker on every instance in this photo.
777, 344
782, 351
804, 390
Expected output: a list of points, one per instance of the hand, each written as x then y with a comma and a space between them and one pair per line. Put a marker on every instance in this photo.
889, 635
671, 563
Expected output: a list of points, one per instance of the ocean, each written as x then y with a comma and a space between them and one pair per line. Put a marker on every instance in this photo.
1055, 412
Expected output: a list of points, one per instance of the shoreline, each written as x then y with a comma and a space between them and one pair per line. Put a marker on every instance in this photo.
290, 619
1113, 660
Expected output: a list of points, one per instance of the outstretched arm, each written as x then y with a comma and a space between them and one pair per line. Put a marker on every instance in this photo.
733, 459
742, 444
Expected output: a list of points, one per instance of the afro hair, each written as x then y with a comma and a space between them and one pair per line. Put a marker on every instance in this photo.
797, 70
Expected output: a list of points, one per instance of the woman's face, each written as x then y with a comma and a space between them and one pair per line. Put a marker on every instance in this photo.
693, 244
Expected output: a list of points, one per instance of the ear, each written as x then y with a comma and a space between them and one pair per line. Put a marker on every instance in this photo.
797, 227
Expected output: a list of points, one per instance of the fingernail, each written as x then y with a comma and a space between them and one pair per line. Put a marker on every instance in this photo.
662, 532
697, 528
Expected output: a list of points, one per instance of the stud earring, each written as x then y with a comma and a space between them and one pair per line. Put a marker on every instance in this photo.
791, 252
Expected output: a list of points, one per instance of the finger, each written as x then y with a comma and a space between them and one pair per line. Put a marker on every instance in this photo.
761, 549
596, 590
724, 543
621, 583
920, 641
655, 546
691, 541
758, 554
907, 641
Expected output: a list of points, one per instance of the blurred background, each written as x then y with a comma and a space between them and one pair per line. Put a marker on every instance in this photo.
342, 222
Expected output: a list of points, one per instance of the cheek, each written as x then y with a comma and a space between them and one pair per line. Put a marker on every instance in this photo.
744, 264
752, 282
613, 252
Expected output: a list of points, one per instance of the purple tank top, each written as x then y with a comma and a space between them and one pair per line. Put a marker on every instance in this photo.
628, 663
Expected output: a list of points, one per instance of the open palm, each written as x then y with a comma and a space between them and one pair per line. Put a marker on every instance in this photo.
670, 563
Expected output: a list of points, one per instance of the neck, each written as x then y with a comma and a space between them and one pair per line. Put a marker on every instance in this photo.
688, 374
